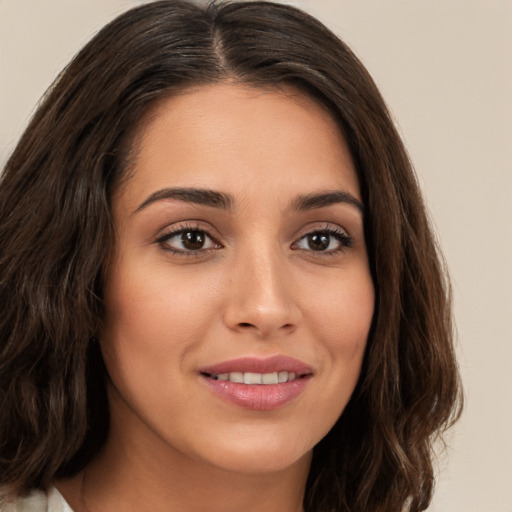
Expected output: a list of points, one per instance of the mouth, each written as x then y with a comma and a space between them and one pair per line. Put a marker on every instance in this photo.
252, 378
258, 384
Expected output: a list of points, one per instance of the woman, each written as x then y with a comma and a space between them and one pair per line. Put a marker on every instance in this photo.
221, 289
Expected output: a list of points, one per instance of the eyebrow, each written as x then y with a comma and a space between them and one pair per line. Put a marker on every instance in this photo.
322, 200
190, 195
226, 201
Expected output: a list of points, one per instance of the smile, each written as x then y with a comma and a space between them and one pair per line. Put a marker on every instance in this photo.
258, 384
256, 378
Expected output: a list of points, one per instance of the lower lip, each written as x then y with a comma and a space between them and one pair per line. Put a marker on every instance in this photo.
260, 397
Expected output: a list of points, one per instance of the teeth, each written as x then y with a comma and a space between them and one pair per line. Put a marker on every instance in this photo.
236, 377
252, 378
256, 378
270, 378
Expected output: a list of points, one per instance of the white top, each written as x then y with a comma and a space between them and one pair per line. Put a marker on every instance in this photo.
39, 501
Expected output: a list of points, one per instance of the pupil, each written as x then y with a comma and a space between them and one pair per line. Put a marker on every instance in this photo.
318, 241
192, 239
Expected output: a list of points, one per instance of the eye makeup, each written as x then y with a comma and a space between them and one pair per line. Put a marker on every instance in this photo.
188, 239
193, 239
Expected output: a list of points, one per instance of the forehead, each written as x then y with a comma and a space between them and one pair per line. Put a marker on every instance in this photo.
237, 138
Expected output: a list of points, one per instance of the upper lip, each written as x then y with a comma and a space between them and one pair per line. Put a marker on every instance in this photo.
272, 364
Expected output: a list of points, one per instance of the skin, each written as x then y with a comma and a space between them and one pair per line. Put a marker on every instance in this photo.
255, 288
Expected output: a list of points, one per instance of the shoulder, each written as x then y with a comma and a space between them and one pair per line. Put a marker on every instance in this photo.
37, 501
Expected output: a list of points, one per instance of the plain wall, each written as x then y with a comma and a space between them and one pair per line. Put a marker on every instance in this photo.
445, 70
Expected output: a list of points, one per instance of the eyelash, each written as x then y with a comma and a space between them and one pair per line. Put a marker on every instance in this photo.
163, 240
345, 241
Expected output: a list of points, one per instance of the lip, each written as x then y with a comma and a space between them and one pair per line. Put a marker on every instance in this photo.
258, 396
260, 365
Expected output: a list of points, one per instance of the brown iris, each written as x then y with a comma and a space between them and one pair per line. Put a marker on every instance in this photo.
193, 240
318, 241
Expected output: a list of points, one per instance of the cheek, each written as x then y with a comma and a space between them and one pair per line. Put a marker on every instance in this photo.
151, 324
154, 321
340, 315
342, 312
154, 308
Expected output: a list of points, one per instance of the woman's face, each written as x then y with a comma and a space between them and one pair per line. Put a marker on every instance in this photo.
239, 300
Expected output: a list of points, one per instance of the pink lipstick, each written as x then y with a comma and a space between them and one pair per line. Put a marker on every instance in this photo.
260, 384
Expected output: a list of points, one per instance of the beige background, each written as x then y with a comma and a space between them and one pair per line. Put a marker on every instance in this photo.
445, 69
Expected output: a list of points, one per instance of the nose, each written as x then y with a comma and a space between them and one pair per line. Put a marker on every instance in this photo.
261, 299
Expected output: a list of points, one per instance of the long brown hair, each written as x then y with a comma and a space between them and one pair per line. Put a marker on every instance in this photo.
56, 236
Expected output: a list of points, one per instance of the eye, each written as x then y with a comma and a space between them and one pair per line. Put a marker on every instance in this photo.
326, 240
187, 240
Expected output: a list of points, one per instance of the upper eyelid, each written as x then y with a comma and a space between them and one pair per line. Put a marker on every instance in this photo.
190, 225
318, 227
170, 234
342, 233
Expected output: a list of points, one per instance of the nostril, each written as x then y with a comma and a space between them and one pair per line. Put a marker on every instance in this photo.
248, 324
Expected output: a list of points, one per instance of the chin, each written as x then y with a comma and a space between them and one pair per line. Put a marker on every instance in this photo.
258, 454
261, 463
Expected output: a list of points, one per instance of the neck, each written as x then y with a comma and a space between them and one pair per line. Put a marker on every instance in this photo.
107, 486
188, 488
